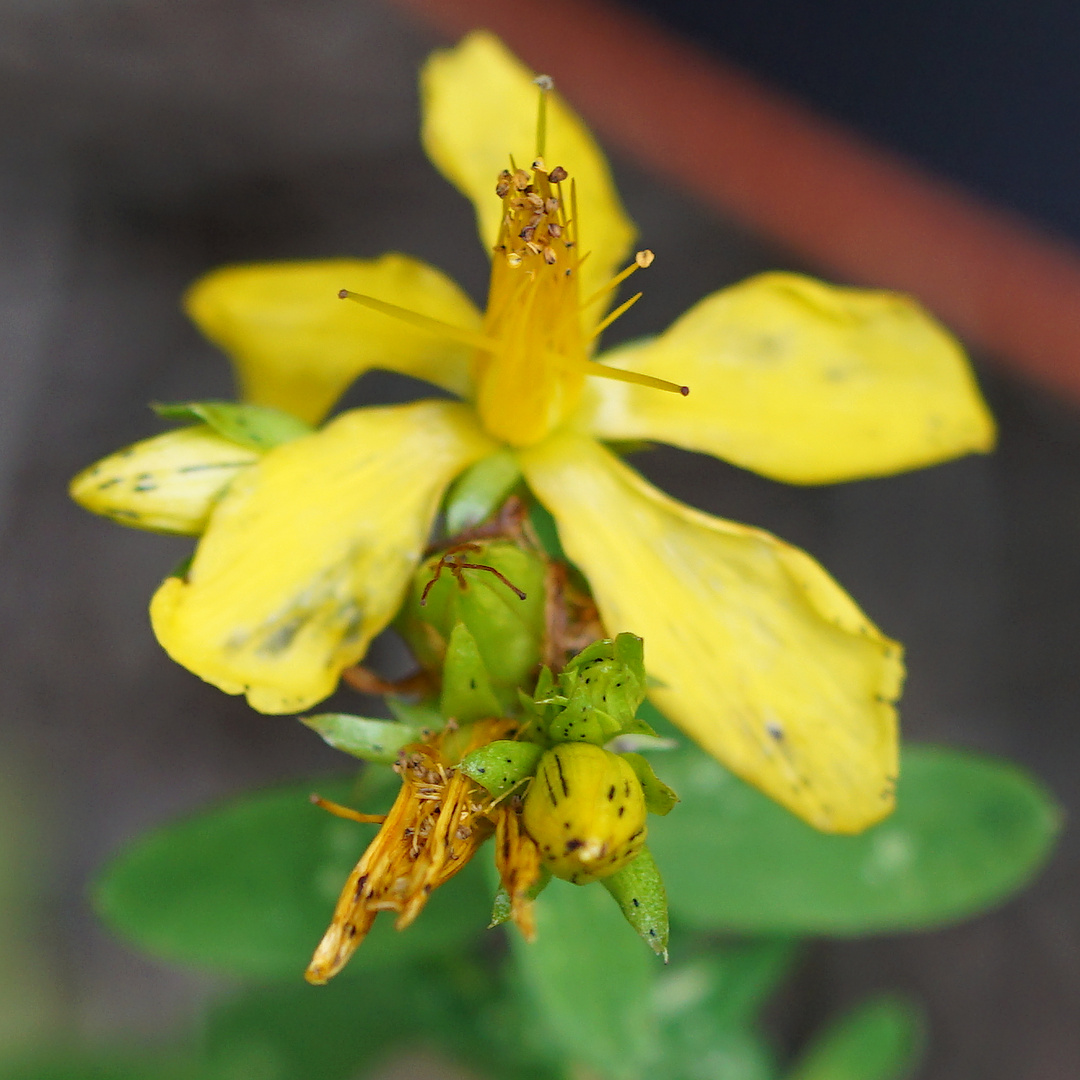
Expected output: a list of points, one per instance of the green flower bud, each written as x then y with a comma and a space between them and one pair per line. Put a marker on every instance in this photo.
480, 586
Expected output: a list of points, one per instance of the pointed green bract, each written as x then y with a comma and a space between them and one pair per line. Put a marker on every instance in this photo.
467, 693
639, 891
659, 798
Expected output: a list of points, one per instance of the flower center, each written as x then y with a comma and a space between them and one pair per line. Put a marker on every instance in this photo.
533, 354
533, 377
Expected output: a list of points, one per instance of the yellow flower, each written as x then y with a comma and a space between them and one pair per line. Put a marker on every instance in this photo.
755, 651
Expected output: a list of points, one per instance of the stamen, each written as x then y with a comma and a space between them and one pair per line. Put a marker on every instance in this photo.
602, 371
423, 322
546, 85
604, 323
346, 812
641, 260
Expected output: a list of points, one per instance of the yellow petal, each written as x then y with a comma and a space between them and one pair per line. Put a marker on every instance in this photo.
297, 346
803, 382
166, 484
764, 659
308, 555
480, 107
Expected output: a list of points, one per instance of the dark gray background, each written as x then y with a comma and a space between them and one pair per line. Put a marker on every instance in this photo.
144, 142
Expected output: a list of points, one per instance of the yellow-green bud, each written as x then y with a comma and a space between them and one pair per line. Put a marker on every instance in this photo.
507, 629
586, 812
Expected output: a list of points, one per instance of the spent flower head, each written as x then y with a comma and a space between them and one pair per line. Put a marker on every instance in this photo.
307, 547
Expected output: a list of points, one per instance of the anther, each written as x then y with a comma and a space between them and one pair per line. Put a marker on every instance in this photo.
644, 258
558, 175
545, 82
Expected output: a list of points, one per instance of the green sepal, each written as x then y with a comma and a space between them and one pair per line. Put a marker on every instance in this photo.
501, 909
508, 631
659, 798
597, 695
639, 891
478, 492
372, 740
580, 721
609, 675
258, 427
501, 765
467, 694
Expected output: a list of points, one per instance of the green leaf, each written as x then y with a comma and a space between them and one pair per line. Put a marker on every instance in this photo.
371, 740
249, 887
967, 832
258, 427
478, 493
707, 1008
881, 1039
349, 1028
99, 1065
589, 982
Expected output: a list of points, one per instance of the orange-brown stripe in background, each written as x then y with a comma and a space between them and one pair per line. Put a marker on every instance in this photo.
859, 212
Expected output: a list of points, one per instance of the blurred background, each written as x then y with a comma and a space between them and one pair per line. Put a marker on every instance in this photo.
142, 143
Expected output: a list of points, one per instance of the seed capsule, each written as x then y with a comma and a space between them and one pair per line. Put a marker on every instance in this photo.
586, 811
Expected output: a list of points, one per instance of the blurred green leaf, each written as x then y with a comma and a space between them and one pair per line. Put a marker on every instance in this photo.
967, 832
589, 982
258, 427
881, 1039
249, 887
708, 1003
99, 1065
348, 1028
